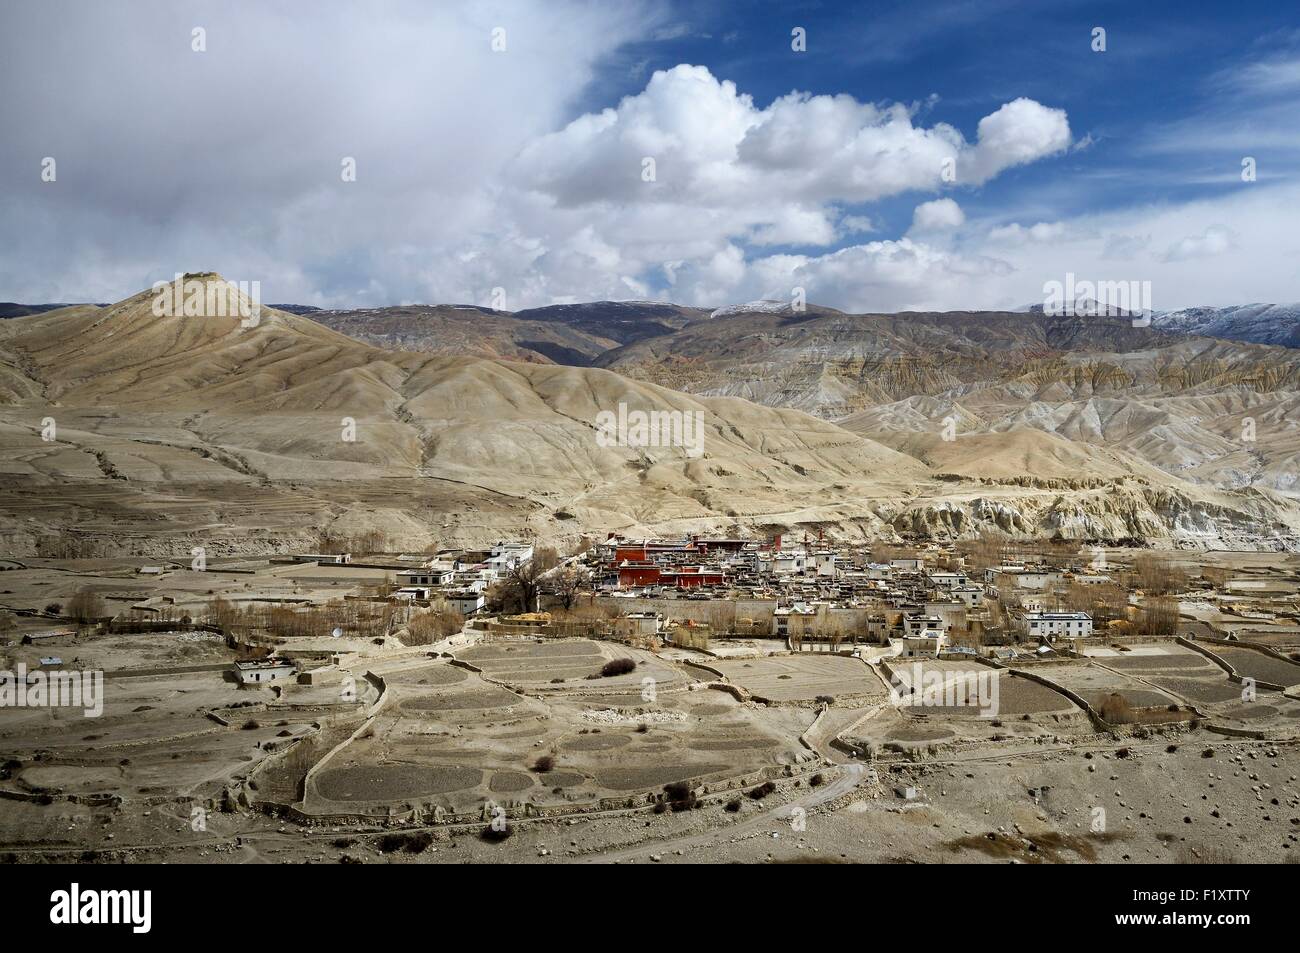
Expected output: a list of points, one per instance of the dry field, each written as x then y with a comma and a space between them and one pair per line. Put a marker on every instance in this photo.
1093, 682
450, 740
803, 677
1252, 664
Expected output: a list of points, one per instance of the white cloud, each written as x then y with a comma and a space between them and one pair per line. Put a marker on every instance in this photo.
1018, 133
939, 215
1215, 240
1017, 234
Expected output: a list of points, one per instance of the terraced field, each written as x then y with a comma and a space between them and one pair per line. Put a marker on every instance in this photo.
802, 678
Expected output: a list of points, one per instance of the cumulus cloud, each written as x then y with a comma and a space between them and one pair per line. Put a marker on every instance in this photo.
1017, 234
937, 216
472, 173
1018, 133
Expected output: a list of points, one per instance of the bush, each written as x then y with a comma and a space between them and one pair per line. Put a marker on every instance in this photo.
543, 764
250, 725
618, 666
817, 780
496, 834
680, 796
733, 805
762, 791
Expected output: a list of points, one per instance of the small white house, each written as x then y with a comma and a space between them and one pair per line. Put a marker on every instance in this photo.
412, 593
928, 642
263, 671
466, 602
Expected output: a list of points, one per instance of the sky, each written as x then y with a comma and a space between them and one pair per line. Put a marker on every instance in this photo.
875, 156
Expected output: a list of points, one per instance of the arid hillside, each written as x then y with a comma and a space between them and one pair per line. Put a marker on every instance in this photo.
123, 431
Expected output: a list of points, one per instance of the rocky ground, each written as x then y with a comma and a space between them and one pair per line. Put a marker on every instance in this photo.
1197, 799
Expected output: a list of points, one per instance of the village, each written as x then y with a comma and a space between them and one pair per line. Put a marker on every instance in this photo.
526, 684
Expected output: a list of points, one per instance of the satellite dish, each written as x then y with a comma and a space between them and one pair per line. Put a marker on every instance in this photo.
337, 632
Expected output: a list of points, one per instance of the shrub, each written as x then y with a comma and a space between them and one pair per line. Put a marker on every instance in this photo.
250, 725
496, 834
680, 796
543, 764
618, 666
817, 780
733, 805
762, 791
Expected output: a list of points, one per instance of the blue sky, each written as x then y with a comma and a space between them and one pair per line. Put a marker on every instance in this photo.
1169, 67
519, 172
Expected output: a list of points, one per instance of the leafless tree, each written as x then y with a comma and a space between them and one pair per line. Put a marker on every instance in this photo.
525, 578
86, 606
567, 582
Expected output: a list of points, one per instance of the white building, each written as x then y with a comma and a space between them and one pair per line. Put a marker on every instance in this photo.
506, 556
1024, 577
948, 580
425, 577
826, 565
1054, 625
466, 602
412, 593
263, 670
928, 642
907, 564
916, 624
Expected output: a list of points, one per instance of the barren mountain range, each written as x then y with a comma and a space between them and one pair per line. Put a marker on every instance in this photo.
463, 425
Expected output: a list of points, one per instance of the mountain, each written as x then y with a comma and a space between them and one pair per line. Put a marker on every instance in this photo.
1184, 404
125, 431
9, 309
620, 321
1257, 323
469, 330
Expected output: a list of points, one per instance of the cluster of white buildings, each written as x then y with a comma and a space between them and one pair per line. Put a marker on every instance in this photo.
460, 578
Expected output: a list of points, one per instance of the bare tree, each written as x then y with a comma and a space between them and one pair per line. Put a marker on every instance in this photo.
567, 582
525, 577
86, 606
